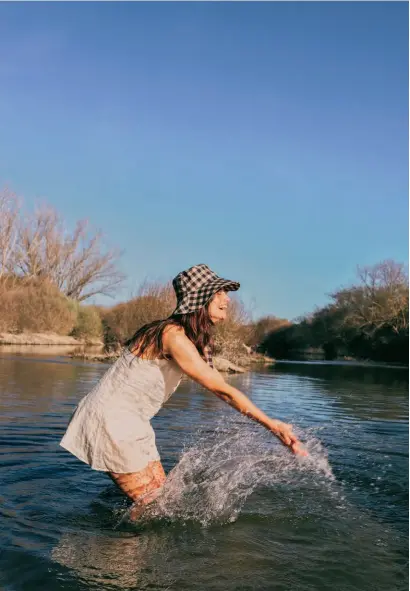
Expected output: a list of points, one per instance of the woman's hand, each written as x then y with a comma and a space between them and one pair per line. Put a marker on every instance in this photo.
284, 432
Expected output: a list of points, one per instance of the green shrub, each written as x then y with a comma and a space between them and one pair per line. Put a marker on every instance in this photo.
34, 305
89, 324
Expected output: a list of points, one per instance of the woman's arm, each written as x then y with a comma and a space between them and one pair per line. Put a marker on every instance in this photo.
185, 354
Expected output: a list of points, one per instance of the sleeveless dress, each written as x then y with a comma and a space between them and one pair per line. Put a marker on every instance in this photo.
110, 429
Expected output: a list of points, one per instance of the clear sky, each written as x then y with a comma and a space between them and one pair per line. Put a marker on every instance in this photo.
268, 140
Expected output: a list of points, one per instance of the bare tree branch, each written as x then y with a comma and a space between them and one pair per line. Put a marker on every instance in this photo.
9, 214
380, 299
75, 262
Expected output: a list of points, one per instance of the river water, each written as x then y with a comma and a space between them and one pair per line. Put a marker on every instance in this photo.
238, 512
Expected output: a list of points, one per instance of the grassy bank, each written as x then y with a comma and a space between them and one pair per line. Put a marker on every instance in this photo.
34, 311
41, 339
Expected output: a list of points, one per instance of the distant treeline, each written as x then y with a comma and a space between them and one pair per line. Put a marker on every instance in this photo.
367, 320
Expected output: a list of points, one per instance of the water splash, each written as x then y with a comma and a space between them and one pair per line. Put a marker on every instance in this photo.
220, 469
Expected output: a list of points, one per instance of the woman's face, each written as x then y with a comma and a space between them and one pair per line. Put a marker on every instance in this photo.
218, 307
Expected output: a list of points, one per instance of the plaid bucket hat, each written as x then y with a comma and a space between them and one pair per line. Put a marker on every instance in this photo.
195, 287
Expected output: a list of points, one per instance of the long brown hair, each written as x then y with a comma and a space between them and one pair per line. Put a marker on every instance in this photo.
197, 326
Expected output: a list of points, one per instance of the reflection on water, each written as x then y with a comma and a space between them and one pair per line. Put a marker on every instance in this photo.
107, 557
238, 512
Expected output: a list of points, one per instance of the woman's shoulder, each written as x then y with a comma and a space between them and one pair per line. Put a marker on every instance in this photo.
173, 329
173, 336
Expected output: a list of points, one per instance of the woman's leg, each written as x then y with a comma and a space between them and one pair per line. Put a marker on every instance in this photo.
142, 487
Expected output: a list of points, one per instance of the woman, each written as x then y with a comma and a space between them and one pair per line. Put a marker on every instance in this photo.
110, 429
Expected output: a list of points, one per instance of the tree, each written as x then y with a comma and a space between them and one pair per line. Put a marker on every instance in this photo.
368, 319
9, 215
75, 261
231, 335
380, 300
265, 325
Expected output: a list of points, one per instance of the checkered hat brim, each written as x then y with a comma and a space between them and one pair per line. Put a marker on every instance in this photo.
195, 287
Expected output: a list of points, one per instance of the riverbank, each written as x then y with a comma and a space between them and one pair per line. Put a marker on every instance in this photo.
221, 364
245, 362
28, 338
342, 360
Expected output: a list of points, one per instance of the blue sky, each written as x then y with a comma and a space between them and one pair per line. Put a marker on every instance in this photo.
268, 140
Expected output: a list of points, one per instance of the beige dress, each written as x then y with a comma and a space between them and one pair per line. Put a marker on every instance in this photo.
110, 429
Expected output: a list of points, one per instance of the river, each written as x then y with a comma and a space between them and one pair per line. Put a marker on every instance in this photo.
238, 513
